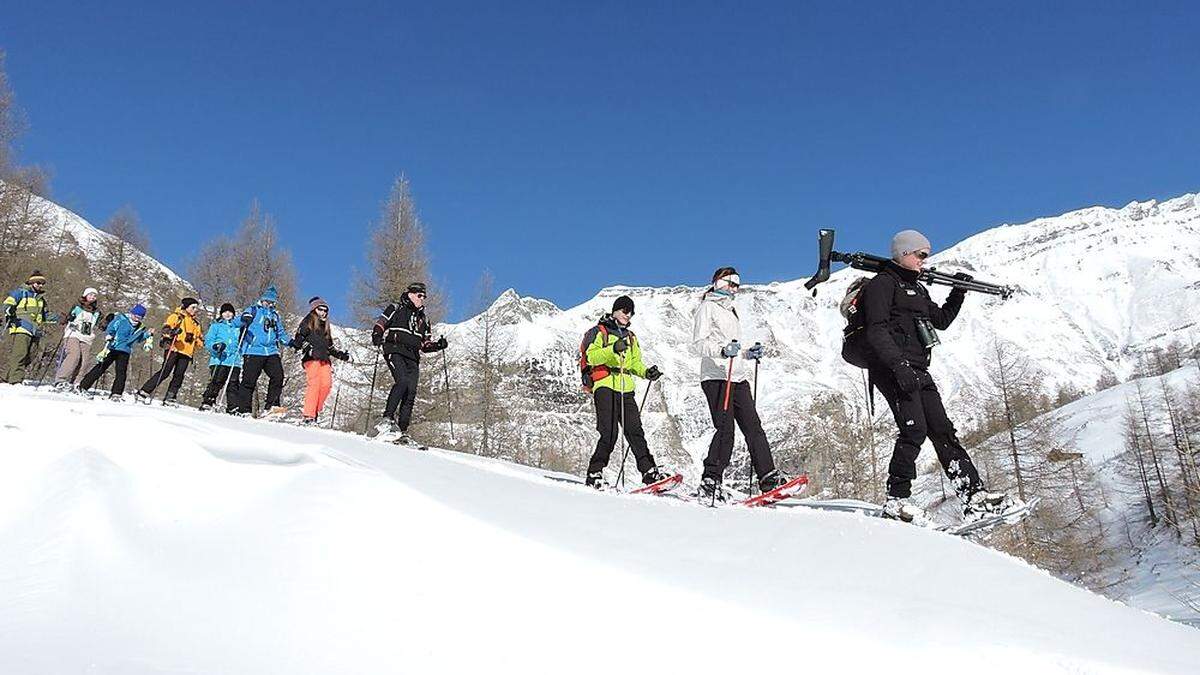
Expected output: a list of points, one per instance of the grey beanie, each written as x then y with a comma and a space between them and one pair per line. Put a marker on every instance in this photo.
906, 242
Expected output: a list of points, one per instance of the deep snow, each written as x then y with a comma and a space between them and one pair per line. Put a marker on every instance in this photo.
150, 540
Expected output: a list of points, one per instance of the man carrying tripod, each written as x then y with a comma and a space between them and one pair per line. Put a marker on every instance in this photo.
613, 358
900, 321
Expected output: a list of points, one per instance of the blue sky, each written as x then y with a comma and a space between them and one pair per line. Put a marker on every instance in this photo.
569, 146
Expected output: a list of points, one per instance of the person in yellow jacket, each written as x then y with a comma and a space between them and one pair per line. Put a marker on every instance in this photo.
181, 334
613, 359
25, 314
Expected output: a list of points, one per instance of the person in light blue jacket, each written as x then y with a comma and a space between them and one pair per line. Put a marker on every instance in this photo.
124, 333
263, 335
223, 342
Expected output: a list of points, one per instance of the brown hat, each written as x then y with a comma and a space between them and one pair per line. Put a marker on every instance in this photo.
315, 302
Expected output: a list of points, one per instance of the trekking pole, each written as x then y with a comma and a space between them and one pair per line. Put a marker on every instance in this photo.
728, 382
336, 395
624, 446
371, 395
754, 395
449, 407
621, 475
46, 367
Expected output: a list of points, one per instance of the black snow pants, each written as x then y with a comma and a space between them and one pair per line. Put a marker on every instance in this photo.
176, 365
743, 411
609, 406
405, 374
252, 367
228, 377
920, 414
121, 359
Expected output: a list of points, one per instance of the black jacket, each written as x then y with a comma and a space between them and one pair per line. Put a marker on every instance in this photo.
403, 329
891, 303
313, 344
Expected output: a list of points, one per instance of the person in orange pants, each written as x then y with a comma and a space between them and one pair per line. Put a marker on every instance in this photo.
314, 340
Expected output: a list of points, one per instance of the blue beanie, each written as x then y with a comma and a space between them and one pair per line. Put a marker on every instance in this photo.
138, 311
270, 295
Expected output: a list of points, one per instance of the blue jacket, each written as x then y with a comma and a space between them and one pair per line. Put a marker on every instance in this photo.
224, 333
264, 331
124, 336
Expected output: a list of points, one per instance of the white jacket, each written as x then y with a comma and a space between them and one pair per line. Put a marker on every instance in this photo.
82, 325
716, 324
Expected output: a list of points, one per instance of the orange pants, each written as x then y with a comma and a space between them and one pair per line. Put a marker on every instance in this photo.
318, 376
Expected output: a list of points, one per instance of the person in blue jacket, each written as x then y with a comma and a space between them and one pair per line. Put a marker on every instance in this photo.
224, 361
260, 352
124, 333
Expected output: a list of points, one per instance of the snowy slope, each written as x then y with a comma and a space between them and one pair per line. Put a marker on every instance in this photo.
1097, 286
62, 222
167, 541
1155, 570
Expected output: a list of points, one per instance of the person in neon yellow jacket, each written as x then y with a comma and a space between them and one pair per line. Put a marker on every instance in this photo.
614, 359
25, 314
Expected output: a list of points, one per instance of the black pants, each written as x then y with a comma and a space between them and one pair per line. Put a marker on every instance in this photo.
228, 377
609, 406
920, 414
741, 409
252, 367
176, 365
114, 356
405, 374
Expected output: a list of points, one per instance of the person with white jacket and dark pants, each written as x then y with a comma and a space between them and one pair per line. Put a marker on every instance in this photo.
723, 377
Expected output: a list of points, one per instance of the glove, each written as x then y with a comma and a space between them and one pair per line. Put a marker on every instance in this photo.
164, 342
963, 276
377, 336
146, 346
620, 346
906, 377
171, 332
219, 348
11, 320
653, 373
295, 343
731, 350
756, 352
441, 343
339, 354
247, 319
108, 340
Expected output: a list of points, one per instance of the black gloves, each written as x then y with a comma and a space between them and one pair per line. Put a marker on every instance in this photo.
295, 343
10, 319
165, 341
906, 377
247, 319
620, 346
963, 276
441, 343
339, 354
377, 335
653, 373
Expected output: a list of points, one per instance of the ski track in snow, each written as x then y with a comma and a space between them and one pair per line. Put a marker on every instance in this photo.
152, 540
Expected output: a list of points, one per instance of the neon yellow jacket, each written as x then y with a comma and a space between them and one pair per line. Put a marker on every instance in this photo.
602, 358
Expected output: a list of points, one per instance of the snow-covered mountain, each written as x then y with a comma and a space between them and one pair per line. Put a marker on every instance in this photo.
215, 544
1097, 288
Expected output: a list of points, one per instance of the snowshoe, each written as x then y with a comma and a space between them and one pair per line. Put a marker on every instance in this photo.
904, 510
206, 407
308, 422
144, 398
667, 482
275, 414
711, 492
788, 488
596, 480
654, 475
982, 504
774, 479
1013, 514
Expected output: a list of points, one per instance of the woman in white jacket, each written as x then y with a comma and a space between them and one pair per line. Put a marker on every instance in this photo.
77, 340
715, 336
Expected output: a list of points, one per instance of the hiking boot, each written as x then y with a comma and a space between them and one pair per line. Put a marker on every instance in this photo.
596, 480
309, 421
386, 426
143, 397
904, 510
654, 475
774, 479
711, 492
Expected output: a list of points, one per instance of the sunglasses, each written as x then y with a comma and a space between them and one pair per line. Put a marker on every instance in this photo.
323, 309
421, 295
921, 255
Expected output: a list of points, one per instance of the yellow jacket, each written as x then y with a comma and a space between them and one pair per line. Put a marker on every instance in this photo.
189, 334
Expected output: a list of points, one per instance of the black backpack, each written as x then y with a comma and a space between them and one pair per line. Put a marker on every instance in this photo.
854, 335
